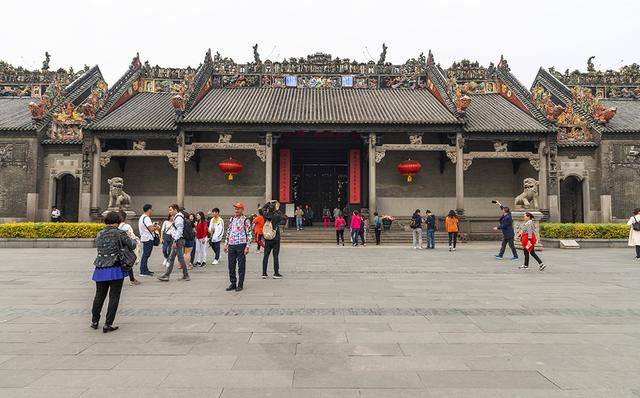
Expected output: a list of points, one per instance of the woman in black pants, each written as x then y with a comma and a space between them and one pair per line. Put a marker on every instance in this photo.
528, 240
109, 273
272, 214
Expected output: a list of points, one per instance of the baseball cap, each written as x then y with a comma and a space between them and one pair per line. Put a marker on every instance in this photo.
239, 205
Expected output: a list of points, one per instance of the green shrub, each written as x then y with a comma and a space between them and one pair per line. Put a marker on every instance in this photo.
584, 231
42, 230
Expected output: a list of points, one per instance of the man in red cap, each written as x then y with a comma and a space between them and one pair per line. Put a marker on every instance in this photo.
236, 244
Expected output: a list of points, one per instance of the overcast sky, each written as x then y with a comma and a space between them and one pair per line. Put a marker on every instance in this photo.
177, 33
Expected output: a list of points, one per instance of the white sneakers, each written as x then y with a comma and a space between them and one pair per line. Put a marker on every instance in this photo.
214, 262
165, 262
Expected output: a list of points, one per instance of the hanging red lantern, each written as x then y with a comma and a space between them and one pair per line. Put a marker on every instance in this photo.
230, 167
409, 168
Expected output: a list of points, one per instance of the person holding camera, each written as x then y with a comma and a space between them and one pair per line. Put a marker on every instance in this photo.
506, 226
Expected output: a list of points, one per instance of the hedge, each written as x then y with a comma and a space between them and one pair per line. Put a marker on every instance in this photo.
584, 231
44, 230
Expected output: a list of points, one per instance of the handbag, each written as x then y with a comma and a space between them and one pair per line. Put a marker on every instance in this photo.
126, 256
636, 224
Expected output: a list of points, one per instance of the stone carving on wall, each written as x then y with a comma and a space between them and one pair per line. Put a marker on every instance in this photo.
415, 139
4, 199
453, 155
528, 199
224, 138
87, 150
500, 146
13, 154
188, 154
466, 164
139, 145
118, 198
105, 159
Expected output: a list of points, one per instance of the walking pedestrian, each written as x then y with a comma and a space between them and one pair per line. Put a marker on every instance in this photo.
165, 238
177, 231
506, 226
216, 229
364, 229
56, 216
326, 217
308, 214
336, 213
189, 239
148, 230
634, 231
451, 224
109, 274
416, 225
124, 226
237, 243
529, 239
271, 235
356, 224
258, 225
340, 225
430, 225
299, 216
377, 225
201, 240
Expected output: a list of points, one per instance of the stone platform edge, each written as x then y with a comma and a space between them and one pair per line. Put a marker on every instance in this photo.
59, 243
588, 243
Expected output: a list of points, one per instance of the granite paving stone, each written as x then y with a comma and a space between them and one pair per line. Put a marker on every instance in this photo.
348, 322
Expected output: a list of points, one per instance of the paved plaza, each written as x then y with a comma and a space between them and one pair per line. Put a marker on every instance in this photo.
344, 322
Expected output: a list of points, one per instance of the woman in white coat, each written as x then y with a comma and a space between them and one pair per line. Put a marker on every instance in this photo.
634, 231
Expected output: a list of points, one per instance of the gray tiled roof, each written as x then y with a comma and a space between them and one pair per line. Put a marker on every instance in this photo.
494, 113
627, 118
14, 114
330, 106
144, 111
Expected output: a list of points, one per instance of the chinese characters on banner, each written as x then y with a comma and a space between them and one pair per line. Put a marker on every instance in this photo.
285, 176
354, 176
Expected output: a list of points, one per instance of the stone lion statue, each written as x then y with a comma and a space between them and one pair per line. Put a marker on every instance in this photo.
118, 199
528, 199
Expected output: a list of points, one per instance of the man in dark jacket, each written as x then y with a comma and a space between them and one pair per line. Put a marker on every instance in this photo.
506, 226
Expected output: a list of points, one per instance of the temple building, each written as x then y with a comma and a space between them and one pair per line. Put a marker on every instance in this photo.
323, 131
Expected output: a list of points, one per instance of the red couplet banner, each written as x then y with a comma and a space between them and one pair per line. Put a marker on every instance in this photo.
354, 176
285, 176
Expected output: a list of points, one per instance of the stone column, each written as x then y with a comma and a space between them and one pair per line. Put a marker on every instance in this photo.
268, 178
96, 176
181, 170
605, 208
459, 173
542, 176
372, 175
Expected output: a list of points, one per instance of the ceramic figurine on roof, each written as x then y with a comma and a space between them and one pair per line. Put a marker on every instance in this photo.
256, 55
383, 54
45, 63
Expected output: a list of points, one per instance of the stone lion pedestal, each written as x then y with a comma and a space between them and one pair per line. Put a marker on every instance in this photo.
119, 200
527, 202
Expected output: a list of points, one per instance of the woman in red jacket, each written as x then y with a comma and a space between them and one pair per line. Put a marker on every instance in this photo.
201, 240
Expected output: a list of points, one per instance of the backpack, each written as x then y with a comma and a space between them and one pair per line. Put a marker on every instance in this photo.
268, 231
413, 224
187, 231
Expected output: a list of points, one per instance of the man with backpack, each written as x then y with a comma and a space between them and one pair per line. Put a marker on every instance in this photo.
271, 235
377, 224
430, 223
180, 230
236, 244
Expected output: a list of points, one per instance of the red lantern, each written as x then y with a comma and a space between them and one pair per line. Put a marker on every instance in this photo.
409, 168
230, 167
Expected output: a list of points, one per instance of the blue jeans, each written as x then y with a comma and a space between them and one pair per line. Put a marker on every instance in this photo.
166, 246
298, 223
147, 247
355, 232
236, 254
431, 239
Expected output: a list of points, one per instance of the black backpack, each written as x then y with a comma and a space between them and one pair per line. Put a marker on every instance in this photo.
187, 231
